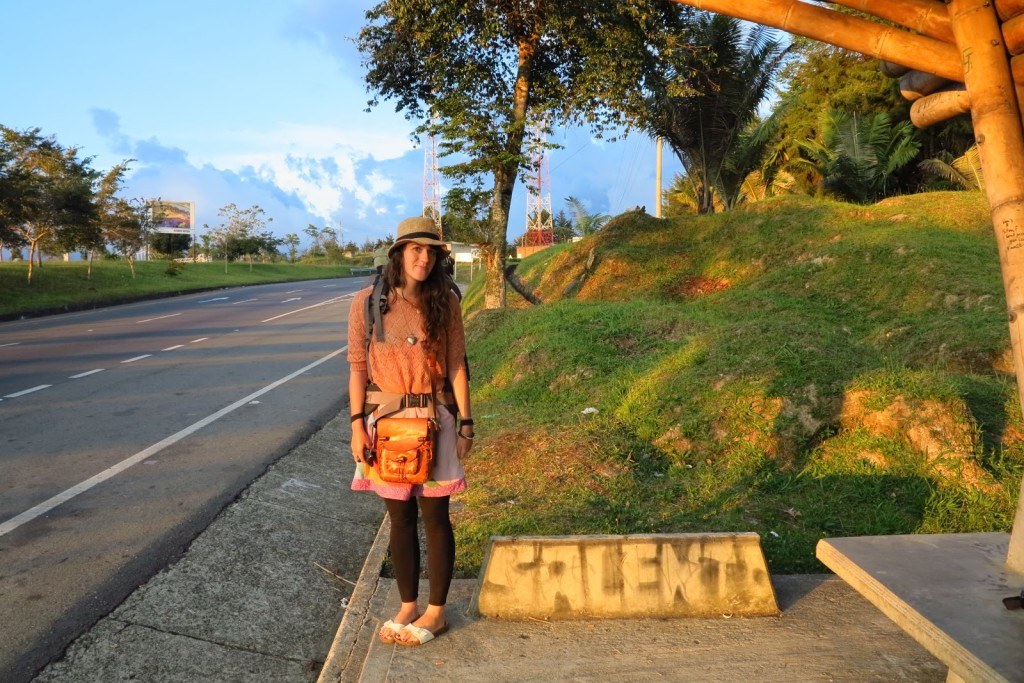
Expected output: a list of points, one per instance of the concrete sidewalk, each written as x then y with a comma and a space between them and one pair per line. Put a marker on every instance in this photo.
257, 596
826, 632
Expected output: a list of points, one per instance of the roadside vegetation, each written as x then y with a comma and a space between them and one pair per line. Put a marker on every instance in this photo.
796, 367
61, 286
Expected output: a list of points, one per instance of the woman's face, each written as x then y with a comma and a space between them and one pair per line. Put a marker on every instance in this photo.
418, 260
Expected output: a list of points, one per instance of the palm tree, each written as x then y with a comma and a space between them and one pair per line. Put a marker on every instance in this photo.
713, 129
964, 171
859, 156
586, 223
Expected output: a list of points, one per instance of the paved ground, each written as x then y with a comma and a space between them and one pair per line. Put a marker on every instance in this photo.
256, 599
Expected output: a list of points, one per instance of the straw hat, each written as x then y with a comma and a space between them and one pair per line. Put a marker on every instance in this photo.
419, 229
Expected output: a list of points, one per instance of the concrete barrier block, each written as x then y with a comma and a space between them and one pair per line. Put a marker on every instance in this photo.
635, 576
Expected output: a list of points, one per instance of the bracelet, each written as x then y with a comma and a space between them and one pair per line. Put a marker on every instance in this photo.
358, 416
467, 438
468, 422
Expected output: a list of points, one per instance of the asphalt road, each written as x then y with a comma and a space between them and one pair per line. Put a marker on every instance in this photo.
125, 430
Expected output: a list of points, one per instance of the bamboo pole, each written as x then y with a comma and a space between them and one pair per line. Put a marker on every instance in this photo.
1013, 34
928, 17
1000, 137
1008, 9
884, 42
917, 84
892, 69
940, 106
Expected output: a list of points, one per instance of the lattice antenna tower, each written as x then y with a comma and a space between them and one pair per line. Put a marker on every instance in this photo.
431, 182
540, 226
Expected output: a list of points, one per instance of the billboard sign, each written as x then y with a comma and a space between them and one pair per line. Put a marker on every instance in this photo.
175, 218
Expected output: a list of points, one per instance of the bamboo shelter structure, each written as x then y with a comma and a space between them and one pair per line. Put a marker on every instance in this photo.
952, 58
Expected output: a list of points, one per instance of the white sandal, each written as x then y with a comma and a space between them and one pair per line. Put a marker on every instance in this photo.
422, 635
392, 627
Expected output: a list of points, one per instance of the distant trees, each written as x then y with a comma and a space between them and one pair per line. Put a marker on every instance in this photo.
47, 195
241, 234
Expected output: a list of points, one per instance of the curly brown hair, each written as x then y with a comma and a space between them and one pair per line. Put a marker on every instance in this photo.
434, 293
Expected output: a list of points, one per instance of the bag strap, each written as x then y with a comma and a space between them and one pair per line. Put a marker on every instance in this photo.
376, 306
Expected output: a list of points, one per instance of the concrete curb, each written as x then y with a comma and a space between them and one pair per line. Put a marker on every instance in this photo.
352, 642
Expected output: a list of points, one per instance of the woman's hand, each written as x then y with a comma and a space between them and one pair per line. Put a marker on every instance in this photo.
360, 441
462, 444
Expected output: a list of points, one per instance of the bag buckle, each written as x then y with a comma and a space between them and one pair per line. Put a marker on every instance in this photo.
417, 401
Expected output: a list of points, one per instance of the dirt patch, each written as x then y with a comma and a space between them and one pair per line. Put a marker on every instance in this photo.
700, 285
942, 433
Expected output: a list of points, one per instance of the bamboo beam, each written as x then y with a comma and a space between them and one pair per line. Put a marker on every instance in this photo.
927, 17
1013, 34
1008, 9
1000, 137
892, 69
940, 106
916, 84
884, 42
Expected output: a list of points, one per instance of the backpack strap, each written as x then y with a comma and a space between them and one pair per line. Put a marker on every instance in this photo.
376, 306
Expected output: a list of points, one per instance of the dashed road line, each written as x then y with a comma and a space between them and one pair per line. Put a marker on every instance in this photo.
157, 318
64, 496
86, 374
299, 310
219, 298
9, 344
243, 302
196, 341
294, 290
294, 298
132, 360
28, 391
171, 348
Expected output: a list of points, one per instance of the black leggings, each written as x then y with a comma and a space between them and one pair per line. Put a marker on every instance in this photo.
405, 547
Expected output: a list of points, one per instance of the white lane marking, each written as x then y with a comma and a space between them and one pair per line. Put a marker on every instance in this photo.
64, 496
159, 318
132, 360
299, 310
171, 348
243, 302
219, 298
326, 286
196, 341
28, 391
293, 291
294, 298
9, 344
86, 374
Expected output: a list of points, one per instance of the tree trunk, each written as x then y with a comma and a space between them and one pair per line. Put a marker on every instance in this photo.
505, 176
88, 271
131, 264
495, 251
31, 259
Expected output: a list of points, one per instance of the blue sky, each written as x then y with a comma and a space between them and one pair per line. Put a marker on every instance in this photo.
254, 102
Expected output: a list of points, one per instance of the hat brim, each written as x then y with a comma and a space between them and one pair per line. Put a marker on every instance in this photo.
428, 241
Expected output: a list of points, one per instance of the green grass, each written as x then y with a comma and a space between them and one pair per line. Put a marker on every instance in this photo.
720, 353
65, 286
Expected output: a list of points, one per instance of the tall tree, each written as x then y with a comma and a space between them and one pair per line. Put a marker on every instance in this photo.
477, 73
585, 222
49, 188
704, 127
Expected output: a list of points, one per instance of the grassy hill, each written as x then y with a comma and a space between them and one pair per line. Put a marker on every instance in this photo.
797, 368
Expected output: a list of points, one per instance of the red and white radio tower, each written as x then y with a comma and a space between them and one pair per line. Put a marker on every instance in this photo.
431, 183
540, 226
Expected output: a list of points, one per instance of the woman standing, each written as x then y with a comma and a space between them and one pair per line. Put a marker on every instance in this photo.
417, 369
